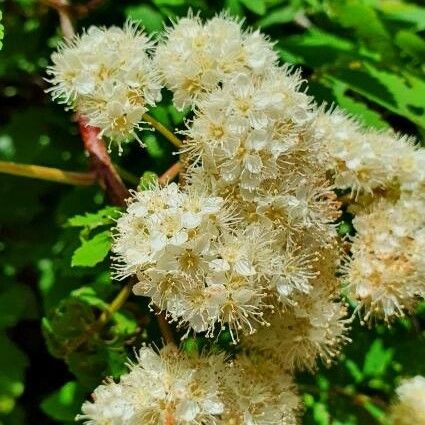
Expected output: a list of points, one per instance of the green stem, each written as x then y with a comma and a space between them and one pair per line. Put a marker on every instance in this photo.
163, 130
47, 173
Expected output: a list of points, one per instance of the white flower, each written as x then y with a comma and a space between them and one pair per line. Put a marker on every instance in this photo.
195, 57
313, 327
106, 75
386, 273
410, 406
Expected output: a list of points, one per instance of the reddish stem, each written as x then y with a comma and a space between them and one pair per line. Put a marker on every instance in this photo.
170, 174
101, 164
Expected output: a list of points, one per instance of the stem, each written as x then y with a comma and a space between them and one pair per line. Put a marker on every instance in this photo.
101, 163
170, 174
163, 130
47, 173
165, 328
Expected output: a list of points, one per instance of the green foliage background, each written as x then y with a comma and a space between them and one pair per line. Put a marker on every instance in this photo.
365, 55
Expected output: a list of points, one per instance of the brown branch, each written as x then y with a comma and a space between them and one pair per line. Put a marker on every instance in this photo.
64, 11
170, 174
101, 164
47, 173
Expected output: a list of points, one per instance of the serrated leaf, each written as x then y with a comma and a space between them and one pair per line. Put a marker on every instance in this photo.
91, 221
65, 403
402, 95
356, 108
92, 251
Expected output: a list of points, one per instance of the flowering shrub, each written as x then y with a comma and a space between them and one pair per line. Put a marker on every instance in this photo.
283, 222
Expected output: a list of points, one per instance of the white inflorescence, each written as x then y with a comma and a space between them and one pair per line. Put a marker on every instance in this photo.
193, 390
314, 327
107, 76
410, 406
387, 271
195, 57
193, 260
248, 241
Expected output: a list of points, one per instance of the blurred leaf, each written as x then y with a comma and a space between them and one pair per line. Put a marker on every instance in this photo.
65, 403
149, 17
354, 370
256, 6
17, 303
412, 44
66, 324
321, 414
13, 363
281, 15
92, 251
377, 359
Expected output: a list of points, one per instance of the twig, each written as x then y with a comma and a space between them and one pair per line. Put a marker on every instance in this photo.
163, 130
47, 173
170, 174
101, 163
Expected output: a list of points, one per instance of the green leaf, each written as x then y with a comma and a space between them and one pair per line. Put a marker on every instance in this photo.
17, 303
92, 251
169, 2
411, 44
65, 403
149, 17
65, 324
321, 414
256, 6
355, 14
315, 48
377, 359
278, 16
356, 108
354, 370
13, 363
147, 181
91, 221
153, 146
401, 94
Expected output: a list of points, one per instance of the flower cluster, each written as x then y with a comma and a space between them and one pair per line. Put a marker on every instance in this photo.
248, 240
313, 327
387, 272
194, 390
410, 406
194, 261
195, 57
107, 76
